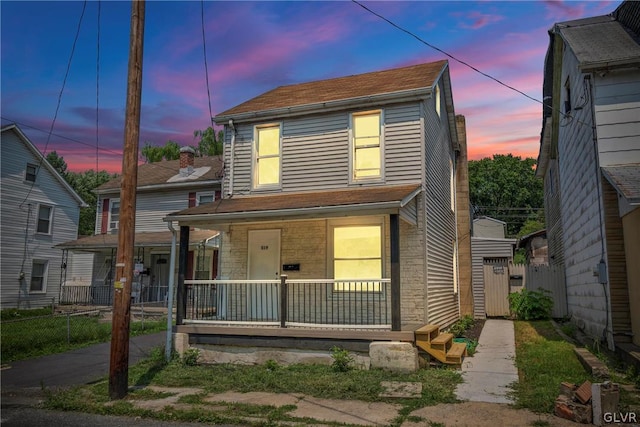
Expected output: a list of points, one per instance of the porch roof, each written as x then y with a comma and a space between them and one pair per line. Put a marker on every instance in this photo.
313, 204
626, 180
148, 239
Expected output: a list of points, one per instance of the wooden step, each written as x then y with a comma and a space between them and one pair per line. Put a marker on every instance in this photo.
427, 332
442, 342
456, 353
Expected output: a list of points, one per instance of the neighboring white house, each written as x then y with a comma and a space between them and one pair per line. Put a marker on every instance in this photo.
590, 161
348, 187
39, 210
163, 187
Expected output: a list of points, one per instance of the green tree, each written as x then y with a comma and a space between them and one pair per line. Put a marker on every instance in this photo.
505, 187
58, 163
210, 143
82, 183
154, 153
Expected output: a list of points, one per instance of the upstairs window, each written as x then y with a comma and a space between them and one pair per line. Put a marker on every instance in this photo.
366, 145
31, 172
205, 197
436, 96
114, 214
38, 283
267, 157
45, 214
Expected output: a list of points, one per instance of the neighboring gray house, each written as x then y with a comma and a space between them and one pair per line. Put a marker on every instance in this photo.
535, 247
39, 210
163, 187
492, 228
347, 186
590, 161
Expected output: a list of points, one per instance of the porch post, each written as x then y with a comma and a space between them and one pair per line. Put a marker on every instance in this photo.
394, 221
283, 300
181, 297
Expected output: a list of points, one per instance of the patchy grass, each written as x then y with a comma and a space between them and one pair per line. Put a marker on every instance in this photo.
40, 336
544, 360
320, 381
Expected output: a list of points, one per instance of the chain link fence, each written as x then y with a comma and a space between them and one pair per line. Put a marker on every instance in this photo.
32, 333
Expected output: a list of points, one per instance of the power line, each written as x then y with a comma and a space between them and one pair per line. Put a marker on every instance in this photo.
206, 67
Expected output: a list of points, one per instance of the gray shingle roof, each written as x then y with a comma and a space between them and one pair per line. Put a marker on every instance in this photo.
626, 180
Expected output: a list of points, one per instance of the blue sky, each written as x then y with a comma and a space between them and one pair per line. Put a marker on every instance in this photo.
252, 47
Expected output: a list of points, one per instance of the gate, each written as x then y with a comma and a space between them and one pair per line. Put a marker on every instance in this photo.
496, 286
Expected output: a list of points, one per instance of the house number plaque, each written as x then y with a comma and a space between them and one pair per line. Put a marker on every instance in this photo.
264, 247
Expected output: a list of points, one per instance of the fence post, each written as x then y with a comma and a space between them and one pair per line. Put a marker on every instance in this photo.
68, 328
283, 300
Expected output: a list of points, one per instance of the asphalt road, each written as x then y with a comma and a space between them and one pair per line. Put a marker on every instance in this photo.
22, 385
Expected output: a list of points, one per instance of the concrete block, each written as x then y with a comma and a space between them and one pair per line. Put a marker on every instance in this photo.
592, 364
393, 356
180, 343
605, 398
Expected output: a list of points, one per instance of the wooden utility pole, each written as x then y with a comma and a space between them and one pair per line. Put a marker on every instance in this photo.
119, 360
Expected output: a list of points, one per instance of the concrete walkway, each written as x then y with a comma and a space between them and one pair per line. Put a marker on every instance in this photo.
488, 374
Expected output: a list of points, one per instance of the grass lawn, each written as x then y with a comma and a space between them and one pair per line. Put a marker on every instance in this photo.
43, 333
544, 360
320, 381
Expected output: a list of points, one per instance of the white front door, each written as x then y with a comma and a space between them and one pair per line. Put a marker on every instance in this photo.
263, 264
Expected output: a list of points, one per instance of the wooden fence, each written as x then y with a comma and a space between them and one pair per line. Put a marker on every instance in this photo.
550, 278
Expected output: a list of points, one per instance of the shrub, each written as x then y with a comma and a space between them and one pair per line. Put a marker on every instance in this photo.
531, 305
460, 327
342, 360
190, 357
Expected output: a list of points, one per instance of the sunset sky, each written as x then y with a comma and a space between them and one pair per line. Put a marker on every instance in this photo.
252, 47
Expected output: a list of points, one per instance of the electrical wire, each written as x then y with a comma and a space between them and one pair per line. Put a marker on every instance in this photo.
206, 67
55, 115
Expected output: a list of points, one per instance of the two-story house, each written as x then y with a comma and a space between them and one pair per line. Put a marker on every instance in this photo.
162, 187
347, 187
590, 162
39, 210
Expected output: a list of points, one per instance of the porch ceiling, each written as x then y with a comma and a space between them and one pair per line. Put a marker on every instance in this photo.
316, 204
150, 239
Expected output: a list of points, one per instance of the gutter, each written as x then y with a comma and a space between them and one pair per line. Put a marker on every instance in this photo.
233, 151
231, 216
280, 113
163, 186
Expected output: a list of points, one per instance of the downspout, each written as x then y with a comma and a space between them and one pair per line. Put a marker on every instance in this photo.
172, 265
233, 150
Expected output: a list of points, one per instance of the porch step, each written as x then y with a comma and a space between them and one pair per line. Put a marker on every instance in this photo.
440, 345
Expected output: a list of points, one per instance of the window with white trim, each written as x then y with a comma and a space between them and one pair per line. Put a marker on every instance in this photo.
452, 185
114, 214
38, 282
366, 145
357, 254
45, 216
31, 172
205, 197
266, 172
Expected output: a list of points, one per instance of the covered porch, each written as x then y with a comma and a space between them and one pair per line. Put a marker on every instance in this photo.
316, 265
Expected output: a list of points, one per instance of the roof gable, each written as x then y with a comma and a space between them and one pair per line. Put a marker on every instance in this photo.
43, 162
391, 81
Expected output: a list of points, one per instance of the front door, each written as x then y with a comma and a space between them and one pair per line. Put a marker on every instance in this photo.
263, 264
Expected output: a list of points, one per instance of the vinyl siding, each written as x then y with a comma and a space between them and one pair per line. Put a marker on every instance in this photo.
442, 304
315, 151
617, 107
582, 234
20, 244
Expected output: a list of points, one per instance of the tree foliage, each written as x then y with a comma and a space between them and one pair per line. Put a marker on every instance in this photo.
83, 183
209, 143
505, 187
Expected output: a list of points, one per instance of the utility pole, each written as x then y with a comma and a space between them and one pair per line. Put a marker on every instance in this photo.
119, 360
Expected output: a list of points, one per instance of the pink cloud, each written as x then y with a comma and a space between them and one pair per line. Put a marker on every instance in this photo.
475, 20
558, 10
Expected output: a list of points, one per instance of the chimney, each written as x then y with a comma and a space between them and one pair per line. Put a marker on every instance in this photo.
187, 155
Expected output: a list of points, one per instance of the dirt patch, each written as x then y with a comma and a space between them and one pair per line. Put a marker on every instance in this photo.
481, 414
473, 333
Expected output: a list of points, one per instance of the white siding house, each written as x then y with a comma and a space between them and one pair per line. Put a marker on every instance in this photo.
163, 187
590, 161
346, 186
39, 210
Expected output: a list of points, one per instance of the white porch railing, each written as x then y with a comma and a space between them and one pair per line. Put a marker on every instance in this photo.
359, 304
